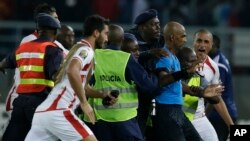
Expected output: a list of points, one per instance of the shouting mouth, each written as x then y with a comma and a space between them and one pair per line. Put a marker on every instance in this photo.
201, 50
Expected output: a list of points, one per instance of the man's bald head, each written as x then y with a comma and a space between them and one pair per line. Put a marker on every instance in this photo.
115, 34
174, 35
66, 28
66, 36
205, 31
172, 28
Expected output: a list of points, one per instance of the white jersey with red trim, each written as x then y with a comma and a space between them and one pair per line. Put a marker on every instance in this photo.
54, 118
211, 73
205, 129
62, 95
12, 93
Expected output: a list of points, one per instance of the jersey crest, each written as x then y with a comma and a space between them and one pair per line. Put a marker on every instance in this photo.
83, 54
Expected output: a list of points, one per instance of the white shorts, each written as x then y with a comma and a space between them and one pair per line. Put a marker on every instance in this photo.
205, 129
58, 124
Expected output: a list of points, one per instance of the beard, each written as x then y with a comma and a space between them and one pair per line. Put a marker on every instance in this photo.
99, 43
98, 46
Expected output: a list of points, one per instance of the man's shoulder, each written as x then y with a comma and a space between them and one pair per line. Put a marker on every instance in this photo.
223, 59
166, 61
61, 46
28, 38
83, 50
211, 62
222, 63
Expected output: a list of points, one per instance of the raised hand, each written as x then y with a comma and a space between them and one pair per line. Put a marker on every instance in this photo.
213, 90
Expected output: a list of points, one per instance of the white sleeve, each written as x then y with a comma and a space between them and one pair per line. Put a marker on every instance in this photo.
84, 55
65, 51
28, 38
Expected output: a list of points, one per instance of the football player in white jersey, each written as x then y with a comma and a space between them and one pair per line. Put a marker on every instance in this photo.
203, 41
54, 118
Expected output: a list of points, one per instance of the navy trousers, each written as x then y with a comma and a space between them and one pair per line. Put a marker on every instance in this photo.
24, 107
117, 131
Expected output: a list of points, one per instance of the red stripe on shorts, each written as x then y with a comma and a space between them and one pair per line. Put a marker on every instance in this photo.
75, 123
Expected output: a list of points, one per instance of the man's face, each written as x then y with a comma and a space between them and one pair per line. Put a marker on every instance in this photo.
188, 60
202, 44
132, 47
102, 39
152, 28
180, 38
68, 38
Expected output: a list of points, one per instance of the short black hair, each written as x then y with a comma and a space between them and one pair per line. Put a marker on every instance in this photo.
92, 23
124, 46
44, 8
216, 41
183, 53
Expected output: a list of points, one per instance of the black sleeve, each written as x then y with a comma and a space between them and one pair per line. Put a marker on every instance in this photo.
11, 60
53, 59
136, 73
144, 58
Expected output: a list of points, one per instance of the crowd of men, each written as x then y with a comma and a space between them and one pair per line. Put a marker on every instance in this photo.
64, 90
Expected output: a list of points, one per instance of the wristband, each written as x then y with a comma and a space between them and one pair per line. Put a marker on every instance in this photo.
183, 74
197, 91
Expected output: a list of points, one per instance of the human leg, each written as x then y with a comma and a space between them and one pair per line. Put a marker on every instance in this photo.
102, 130
67, 126
143, 111
17, 128
127, 131
221, 128
205, 129
38, 133
166, 124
